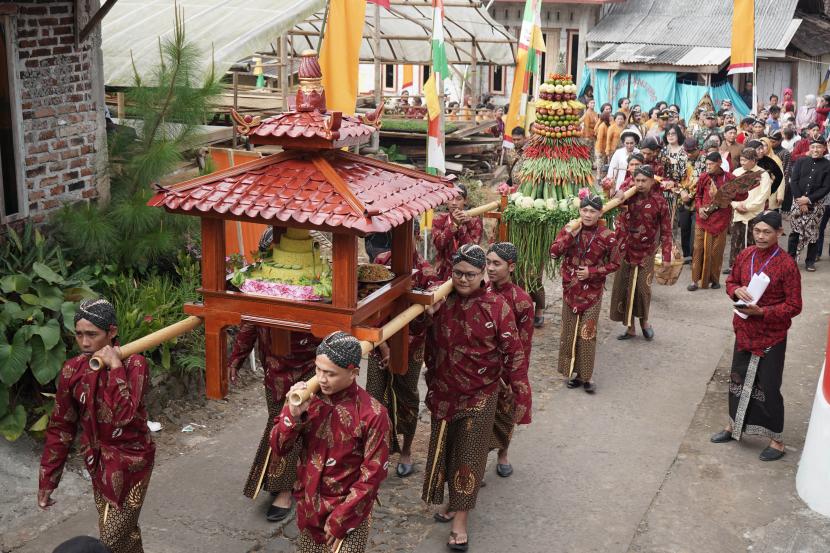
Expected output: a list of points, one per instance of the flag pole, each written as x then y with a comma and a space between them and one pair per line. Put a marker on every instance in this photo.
323, 26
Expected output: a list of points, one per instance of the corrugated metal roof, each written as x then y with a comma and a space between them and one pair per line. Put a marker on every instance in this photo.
657, 54
707, 23
814, 38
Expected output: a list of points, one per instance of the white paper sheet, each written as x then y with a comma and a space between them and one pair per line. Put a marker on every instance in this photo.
756, 288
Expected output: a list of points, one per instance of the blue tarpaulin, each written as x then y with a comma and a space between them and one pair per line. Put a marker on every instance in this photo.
646, 88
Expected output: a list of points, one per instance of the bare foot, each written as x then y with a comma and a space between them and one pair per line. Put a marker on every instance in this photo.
283, 500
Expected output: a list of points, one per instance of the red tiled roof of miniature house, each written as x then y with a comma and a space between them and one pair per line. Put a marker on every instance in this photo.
294, 187
295, 124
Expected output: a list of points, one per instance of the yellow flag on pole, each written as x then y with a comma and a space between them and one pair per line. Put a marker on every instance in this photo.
340, 55
431, 97
743, 37
408, 79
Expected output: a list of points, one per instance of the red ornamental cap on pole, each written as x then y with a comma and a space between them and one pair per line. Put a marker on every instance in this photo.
310, 96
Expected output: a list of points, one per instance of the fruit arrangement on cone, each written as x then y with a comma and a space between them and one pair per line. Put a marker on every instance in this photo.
556, 169
556, 162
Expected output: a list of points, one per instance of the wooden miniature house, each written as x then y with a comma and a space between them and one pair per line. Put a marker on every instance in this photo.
313, 184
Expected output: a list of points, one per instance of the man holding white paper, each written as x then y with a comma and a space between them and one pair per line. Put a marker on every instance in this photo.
765, 285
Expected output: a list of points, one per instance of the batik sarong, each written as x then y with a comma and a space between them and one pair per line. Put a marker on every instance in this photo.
621, 292
398, 393
756, 405
282, 471
806, 225
713, 250
354, 542
578, 341
458, 456
118, 527
741, 239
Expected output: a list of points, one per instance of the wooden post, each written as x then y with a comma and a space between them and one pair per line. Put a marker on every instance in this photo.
213, 254
344, 270
121, 109
285, 71
213, 279
474, 88
235, 102
376, 48
403, 248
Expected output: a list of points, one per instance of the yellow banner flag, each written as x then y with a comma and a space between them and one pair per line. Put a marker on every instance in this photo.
743, 37
518, 97
408, 80
340, 55
431, 96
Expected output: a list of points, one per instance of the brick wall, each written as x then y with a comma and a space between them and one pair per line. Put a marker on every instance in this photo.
62, 109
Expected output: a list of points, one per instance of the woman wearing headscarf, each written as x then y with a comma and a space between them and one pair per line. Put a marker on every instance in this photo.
589, 254
108, 406
806, 114
788, 104
472, 343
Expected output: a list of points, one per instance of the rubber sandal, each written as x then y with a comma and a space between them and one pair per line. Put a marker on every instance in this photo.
771, 454
574, 383
504, 470
403, 470
442, 518
458, 546
276, 514
626, 336
648, 333
590, 387
721, 437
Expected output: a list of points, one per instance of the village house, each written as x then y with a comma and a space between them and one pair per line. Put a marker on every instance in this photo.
52, 123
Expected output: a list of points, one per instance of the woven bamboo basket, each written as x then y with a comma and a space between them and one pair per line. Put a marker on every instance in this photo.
667, 274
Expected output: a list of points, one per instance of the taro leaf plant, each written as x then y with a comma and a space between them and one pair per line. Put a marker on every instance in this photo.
38, 298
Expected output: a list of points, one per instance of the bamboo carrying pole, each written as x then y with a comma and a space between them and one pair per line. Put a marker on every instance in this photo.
388, 330
612, 203
482, 209
151, 340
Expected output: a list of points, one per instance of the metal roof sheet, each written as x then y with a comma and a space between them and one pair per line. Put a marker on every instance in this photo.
673, 22
234, 29
658, 54
814, 38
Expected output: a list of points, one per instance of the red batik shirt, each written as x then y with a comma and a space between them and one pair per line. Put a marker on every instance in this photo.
343, 460
447, 241
781, 300
594, 247
643, 220
721, 218
281, 371
473, 342
108, 405
423, 278
522, 305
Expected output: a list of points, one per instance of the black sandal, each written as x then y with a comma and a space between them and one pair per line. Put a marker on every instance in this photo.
626, 336
458, 546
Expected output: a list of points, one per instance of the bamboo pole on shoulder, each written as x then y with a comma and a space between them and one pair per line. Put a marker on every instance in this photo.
151, 340
576, 224
298, 397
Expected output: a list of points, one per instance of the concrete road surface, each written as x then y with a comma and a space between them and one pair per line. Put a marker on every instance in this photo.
628, 469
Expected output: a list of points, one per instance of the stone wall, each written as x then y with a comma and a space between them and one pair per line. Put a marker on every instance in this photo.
62, 107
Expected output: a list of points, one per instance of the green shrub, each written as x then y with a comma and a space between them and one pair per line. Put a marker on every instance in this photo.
147, 305
38, 298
